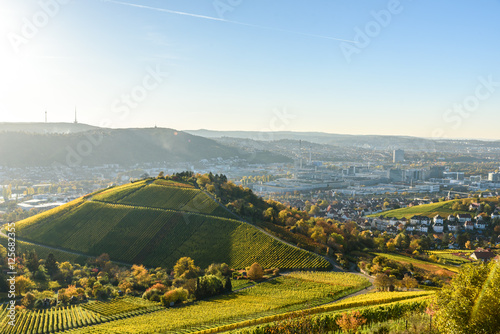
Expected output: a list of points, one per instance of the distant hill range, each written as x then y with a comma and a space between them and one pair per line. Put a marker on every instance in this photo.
74, 145
155, 222
366, 141
44, 128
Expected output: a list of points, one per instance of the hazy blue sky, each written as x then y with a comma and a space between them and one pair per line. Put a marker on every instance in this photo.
422, 68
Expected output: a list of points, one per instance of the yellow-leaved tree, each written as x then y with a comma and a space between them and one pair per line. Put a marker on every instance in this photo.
470, 303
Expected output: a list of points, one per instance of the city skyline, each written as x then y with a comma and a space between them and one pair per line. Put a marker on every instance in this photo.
383, 68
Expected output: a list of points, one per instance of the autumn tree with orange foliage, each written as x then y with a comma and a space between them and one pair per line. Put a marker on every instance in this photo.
350, 322
255, 272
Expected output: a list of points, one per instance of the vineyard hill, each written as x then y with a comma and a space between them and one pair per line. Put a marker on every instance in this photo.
155, 222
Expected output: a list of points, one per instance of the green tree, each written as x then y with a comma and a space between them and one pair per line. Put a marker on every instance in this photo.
28, 300
51, 264
314, 210
6, 192
32, 261
470, 303
208, 286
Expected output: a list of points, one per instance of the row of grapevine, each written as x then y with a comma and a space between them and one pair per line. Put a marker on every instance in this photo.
252, 246
43, 252
327, 321
266, 299
120, 306
50, 320
174, 198
76, 316
170, 183
117, 193
336, 279
56, 213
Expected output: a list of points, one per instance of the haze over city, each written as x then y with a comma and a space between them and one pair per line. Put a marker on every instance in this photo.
413, 68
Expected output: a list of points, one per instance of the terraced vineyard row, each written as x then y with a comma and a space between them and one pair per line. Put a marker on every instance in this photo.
281, 295
117, 193
43, 252
270, 252
58, 213
48, 321
75, 316
336, 279
173, 198
375, 310
119, 307
170, 183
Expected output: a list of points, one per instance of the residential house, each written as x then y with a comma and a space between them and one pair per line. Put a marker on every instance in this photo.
453, 226
469, 225
480, 224
425, 221
438, 227
438, 219
464, 217
474, 206
424, 228
415, 220
482, 255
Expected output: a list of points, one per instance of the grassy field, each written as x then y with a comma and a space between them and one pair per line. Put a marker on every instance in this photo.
155, 224
278, 296
442, 269
430, 210
241, 283
449, 258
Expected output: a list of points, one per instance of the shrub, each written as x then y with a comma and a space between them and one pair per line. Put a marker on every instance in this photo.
255, 272
174, 296
207, 286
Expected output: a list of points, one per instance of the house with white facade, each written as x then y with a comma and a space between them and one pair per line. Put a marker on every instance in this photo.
453, 226
464, 217
438, 227
469, 225
438, 219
